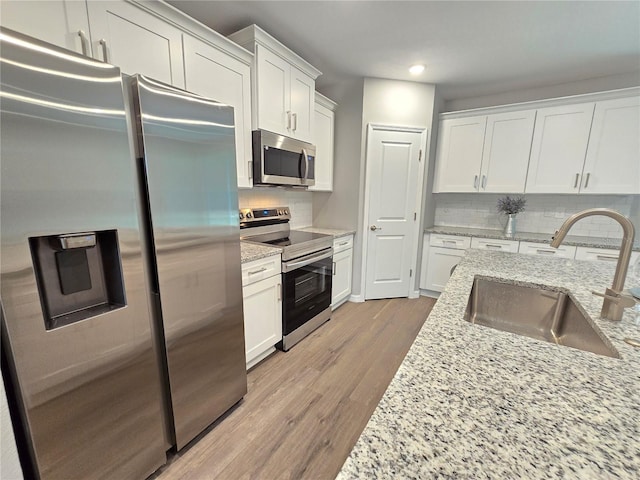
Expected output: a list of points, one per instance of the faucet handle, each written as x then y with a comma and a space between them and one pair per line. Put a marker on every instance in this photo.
625, 301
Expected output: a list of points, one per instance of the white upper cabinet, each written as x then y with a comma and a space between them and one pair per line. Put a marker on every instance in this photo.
283, 85
507, 146
613, 156
559, 147
488, 153
213, 72
460, 145
323, 139
136, 40
273, 85
61, 22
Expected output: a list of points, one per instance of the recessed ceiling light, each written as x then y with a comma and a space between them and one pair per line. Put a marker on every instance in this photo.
416, 69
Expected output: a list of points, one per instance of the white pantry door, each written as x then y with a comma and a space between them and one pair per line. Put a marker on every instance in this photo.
393, 173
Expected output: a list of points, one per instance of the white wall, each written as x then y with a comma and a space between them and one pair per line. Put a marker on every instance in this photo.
591, 85
543, 214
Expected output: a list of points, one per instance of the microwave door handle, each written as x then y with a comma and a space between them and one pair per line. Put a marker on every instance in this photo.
306, 164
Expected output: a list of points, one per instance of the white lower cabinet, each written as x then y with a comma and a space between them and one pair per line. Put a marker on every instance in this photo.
546, 250
495, 245
342, 268
262, 301
444, 252
602, 255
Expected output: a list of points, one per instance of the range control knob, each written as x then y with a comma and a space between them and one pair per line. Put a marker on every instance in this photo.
280, 212
241, 215
249, 215
286, 212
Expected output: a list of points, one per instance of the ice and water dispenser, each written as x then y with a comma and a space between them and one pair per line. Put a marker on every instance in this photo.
79, 275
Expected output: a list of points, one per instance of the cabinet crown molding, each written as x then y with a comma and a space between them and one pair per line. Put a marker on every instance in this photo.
249, 36
193, 27
549, 102
325, 102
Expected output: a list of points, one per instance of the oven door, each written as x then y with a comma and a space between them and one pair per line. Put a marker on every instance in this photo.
306, 289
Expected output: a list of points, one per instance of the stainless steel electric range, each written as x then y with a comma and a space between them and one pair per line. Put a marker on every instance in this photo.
307, 267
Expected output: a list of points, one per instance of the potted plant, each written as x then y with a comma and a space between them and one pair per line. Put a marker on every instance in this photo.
511, 206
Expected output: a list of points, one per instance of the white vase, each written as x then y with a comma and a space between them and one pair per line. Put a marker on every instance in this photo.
510, 227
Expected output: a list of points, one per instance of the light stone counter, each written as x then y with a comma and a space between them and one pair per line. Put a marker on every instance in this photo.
473, 402
255, 251
328, 231
576, 240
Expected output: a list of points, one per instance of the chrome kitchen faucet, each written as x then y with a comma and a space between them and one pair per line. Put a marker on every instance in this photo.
614, 302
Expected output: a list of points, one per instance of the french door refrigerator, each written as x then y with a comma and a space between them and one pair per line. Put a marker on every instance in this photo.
119, 281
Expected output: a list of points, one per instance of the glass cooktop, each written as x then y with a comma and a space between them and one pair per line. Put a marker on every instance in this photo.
295, 238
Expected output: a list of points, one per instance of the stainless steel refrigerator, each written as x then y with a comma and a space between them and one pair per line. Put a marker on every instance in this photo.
119, 277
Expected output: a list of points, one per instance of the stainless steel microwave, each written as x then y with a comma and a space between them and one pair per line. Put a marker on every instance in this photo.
280, 160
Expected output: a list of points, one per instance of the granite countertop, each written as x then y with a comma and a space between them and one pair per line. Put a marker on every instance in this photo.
328, 231
250, 251
473, 402
593, 242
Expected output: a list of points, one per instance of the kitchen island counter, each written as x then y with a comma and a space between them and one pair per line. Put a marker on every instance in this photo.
473, 402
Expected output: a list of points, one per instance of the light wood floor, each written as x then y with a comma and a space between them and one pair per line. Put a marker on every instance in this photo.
306, 408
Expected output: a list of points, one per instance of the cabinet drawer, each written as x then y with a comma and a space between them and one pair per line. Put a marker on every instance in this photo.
260, 269
491, 244
602, 254
544, 249
449, 241
343, 243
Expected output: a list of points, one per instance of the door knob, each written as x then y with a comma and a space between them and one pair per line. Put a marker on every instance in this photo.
374, 228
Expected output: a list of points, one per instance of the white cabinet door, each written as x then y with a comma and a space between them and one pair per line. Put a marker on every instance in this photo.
460, 145
213, 73
559, 147
613, 157
136, 41
341, 282
441, 261
262, 318
55, 21
323, 131
507, 146
545, 250
303, 96
273, 91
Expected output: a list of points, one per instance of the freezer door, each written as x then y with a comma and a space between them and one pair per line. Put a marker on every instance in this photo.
76, 311
188, 154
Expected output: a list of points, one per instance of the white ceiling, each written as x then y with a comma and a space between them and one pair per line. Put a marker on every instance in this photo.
471, 48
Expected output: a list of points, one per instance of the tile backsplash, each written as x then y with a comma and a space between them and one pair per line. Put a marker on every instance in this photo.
299, 202
543, 214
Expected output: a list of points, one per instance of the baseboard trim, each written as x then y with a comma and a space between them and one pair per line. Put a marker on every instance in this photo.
356, 298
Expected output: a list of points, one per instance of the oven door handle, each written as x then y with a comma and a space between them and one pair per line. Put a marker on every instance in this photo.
289, 266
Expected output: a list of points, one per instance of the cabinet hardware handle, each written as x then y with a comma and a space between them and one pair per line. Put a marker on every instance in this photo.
279, 291
84, 42
343, 243
492, 245
250, 169
586, 182
260, 270
451, 242
484, 181
546, 252
606, 257
288, 119
295, 121
333, 269
575, 184
103, 44
475, 181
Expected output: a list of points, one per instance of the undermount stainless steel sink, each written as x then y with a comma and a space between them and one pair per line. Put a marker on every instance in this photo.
543, 313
